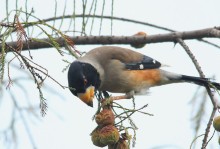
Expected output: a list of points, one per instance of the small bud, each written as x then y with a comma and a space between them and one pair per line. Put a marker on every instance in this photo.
136, 45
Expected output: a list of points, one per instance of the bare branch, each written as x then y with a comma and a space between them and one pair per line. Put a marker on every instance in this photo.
82, 40
114, 18
194, 60
188, 51
205, 139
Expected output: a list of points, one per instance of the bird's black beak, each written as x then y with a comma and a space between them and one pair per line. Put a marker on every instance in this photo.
88, 96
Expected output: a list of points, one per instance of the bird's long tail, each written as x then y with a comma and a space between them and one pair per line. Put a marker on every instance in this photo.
201, 81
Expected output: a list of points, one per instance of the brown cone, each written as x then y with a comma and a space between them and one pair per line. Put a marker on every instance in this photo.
109, 135
105, 117
96, 137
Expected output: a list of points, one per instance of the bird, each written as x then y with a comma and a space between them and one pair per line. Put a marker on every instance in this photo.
121, 70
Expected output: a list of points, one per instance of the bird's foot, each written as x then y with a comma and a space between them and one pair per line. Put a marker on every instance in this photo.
109, 101
126, 96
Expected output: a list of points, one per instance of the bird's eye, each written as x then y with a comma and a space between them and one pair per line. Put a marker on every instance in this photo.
85, 81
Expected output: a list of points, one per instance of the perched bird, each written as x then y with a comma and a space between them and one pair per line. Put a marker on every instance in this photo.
120, 70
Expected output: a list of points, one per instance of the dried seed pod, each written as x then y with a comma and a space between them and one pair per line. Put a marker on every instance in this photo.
216, 123
96, 137
105, 117
109, 135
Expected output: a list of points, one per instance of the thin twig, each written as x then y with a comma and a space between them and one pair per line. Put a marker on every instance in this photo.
24, 122
210, 138
102, 14
198, 67
194, 60
205, 139
45, 73
195, 140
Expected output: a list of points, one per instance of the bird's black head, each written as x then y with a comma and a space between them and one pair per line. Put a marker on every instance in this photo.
83, 80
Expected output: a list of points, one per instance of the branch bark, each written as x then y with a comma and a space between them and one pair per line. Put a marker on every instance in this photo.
87, 40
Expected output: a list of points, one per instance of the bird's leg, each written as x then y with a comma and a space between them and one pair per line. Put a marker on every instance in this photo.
109, 100
128, 95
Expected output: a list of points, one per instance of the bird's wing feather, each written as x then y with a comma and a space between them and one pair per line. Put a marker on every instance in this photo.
145, 63
134, 60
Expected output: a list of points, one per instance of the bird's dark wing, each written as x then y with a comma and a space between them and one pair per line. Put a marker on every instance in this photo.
145, 63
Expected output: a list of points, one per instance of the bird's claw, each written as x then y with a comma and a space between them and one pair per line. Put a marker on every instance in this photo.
109, 101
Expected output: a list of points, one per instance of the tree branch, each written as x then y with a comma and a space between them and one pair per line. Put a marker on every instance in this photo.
196, 64
194, 60
118, 19
82, 40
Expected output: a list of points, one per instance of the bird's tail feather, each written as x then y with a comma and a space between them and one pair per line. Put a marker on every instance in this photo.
201, 81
